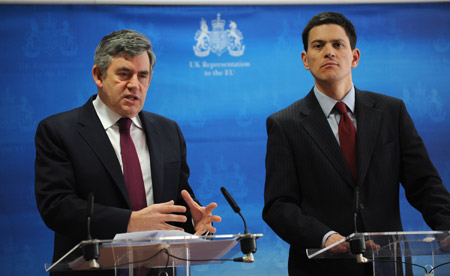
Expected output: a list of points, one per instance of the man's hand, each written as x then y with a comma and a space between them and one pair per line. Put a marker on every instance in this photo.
202, 216
154, 217
445, 244
345, 246
340, 248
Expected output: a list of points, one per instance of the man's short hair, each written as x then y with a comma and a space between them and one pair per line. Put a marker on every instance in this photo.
330, 18
119, 43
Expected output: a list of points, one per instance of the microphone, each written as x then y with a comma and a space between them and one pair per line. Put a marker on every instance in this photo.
358, 243
248, 240
234, 205
91, 250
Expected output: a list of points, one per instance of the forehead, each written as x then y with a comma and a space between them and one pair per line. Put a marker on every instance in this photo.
328, 32
139, 62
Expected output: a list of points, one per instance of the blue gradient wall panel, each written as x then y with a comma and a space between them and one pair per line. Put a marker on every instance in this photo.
220, 99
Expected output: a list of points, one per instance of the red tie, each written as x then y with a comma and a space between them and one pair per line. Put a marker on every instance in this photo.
131, 167
347, 138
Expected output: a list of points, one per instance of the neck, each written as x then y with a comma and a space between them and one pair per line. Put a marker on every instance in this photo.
336, 91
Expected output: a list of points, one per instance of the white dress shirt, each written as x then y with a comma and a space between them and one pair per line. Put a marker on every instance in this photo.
333, 117
109, 119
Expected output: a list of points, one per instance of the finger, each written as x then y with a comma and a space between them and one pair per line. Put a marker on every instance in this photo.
343, 249
170, 202
166, 209
203, 230
372, 245
156, 206
174, 218
216, 218
211, 207
211, 219
200, 232
187, 198
166, 226
211, 229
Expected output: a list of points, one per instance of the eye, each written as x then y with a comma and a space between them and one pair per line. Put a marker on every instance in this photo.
123, 74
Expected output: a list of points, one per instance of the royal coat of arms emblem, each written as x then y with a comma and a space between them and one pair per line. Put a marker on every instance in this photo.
218, 40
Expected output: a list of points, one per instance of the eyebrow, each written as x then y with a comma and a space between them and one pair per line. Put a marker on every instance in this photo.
123, 69
332, 40
129, 70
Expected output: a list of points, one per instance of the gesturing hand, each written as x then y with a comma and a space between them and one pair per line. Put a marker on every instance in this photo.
154, 217
202, 216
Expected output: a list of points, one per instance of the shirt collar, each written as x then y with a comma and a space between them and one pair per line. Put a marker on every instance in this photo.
327, 103
107, 117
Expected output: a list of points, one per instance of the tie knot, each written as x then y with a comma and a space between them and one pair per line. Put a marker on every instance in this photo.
341, 107
124, 124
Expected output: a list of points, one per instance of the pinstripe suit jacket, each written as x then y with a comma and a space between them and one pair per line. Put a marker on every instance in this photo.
309, 189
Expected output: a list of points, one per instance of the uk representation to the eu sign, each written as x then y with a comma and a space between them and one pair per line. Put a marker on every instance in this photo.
220, 72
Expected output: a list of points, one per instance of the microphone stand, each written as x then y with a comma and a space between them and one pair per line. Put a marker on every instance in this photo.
91, 250
358, 243
248, 240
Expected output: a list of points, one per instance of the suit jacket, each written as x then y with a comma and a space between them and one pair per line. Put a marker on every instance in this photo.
309, 189
74, 157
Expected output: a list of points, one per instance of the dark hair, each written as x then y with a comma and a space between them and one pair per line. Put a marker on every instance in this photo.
330, 18
119, 43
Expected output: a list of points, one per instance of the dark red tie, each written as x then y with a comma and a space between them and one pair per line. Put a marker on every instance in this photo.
347, 138
131, 167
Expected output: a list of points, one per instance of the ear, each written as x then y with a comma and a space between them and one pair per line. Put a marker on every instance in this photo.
356, 56
305, 60
98, 76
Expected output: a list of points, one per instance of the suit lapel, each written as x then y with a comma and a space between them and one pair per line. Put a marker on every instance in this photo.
156, 156
91, 130
369, 123
316, 124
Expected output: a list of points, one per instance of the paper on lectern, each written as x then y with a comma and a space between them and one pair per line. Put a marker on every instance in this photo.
157, 235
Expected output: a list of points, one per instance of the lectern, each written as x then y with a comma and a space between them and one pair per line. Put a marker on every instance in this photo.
125, 256
397, 253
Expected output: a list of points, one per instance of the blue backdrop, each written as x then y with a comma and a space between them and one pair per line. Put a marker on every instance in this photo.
219, 97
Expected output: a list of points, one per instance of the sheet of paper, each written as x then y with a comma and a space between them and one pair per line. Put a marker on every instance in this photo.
157, 235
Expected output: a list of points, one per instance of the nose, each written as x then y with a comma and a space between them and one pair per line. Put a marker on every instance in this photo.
133, 82
329, 52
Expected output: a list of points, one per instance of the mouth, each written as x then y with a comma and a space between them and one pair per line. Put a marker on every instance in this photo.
131, 97
328, 64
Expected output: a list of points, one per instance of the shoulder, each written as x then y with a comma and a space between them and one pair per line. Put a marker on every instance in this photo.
157, 119
61, 120
70, 116
68, 121
377, 98
392, 109
290, 111
159, 124
298, 109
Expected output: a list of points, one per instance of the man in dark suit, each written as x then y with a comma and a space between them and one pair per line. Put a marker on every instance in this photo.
80, 151
311, 180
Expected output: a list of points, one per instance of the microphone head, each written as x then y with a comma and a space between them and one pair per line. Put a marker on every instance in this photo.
230, 200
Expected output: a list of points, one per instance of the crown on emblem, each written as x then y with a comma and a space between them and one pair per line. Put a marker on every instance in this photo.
218, 24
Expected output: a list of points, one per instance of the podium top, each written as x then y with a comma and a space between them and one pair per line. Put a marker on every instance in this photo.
392, 244
154, 251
